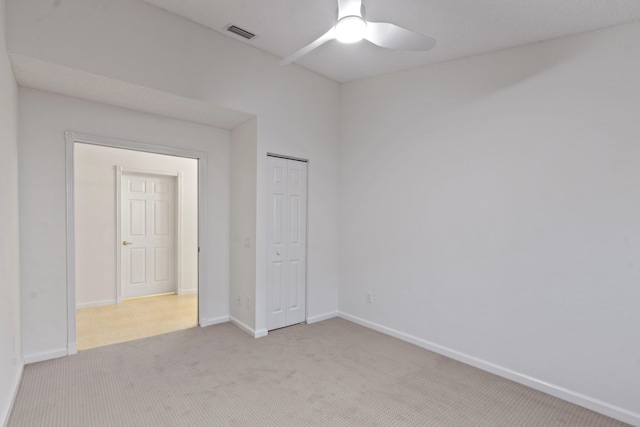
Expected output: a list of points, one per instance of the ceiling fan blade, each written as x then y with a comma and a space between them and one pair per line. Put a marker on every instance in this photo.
329, 35
393, 37
349, 8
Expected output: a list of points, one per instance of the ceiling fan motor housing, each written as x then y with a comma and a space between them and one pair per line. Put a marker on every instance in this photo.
351, 29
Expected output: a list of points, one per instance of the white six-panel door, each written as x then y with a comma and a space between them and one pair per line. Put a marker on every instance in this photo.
286, 242
148, 227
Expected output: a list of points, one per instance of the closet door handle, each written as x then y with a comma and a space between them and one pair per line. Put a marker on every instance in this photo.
125, 243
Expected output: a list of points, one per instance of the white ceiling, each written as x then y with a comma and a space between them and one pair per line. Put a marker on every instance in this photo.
462, 27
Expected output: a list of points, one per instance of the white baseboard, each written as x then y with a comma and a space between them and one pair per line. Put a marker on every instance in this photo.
6, 412
213, 321
95, 303
256, 334
260, 333
554, 390
315, 319
72, 348
187, 291
45, 355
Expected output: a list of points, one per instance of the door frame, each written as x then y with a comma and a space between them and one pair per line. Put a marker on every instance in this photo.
306, 259
178, 226
71, 139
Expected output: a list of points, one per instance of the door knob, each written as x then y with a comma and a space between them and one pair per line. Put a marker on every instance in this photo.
124, 242
277, 253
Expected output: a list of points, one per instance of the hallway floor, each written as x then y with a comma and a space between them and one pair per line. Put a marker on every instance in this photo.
134, 319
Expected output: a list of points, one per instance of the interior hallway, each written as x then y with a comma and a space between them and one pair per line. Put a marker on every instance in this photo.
134, 319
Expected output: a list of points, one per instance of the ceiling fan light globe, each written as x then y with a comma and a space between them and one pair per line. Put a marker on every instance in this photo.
350, 29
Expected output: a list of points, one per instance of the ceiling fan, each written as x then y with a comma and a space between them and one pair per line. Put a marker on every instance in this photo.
351, 26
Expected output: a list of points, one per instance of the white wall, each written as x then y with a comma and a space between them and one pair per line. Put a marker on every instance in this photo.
10, 327
95, 217
490, 204
492, 207
242, 240
43, 119
134, 42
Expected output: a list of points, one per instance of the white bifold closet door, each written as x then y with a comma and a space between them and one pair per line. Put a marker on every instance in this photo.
287, 242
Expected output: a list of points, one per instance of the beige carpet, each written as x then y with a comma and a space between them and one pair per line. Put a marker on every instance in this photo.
333, 373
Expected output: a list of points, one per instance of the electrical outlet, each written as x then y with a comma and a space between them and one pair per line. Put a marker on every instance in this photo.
369, 297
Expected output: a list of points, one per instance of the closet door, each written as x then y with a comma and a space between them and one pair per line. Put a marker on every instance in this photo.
286, 242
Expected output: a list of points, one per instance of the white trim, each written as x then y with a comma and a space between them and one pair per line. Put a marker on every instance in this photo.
259, 333
95, 303
71, 138
15, 386
119, 170
246, 328
178, 225
72, 348
554, 390
45, 355
150, 172
213, 321
254, 333
306, 243
321, 317
178, 241
71, 248
203, 243
187, 291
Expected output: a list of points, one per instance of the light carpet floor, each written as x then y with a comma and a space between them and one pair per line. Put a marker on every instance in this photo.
332, 373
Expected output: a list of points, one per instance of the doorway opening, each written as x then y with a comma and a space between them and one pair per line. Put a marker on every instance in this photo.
134, 214
135, 318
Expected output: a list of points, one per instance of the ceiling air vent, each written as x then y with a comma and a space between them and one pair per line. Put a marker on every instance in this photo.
240, 32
